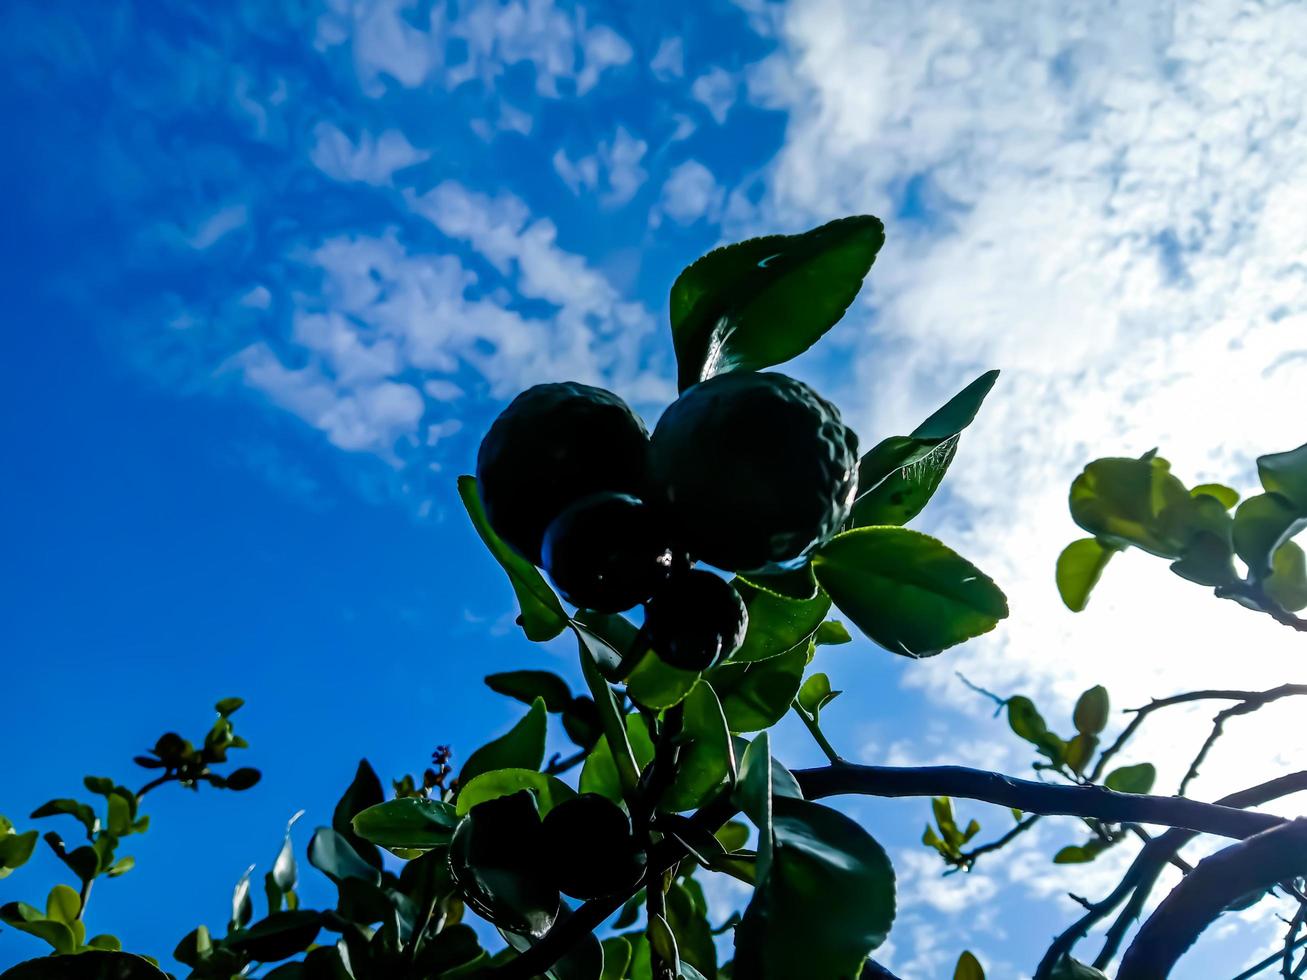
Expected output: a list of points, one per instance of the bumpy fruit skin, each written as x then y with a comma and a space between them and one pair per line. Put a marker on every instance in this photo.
695, 620
606, 552
553, 445
589, 849
757, 469
494, 859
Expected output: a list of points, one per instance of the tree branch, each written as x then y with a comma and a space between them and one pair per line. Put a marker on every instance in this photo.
1256, 863
1033, 797
1143, 872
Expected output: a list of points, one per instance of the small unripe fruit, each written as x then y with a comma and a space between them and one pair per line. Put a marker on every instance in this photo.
606, 552
695, 620
553, 445
589, 848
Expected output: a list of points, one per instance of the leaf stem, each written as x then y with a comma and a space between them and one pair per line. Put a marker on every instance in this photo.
818, 736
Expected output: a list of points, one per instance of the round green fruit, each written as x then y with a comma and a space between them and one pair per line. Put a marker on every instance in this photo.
695, 620
757, 469
606, 552
589, 848
553, 445
494, 859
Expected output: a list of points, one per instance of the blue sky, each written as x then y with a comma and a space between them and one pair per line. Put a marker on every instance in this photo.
271, 269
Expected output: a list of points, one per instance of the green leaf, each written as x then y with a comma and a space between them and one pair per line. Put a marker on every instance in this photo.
1078, 569
543, 617
599, 775
1286, 474
92, 964
332, 854
1132, 779
795, 583
1227, 496
815, 694
761, 302
411, 823
26, 919
120, 867
63, 904
663, 942
105, 941
968, 967
658, 685
228, 706
753, 795
586, 961
1024, 719
1133, 502
776, 624
907, 591
82, 861
1287, 583
363, 791
1081, 853
904, 493
1092, 711
549, 791
825, 902
706, 758
15, 849
617, 958
84, 814
527, 685
1261, 524
523, 747
1079, 750
958, 412
831, 633
755, 696
1209, 549
279, 936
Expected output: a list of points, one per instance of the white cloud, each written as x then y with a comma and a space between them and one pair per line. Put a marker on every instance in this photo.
615, 164
716, 89
394, 40
690, 193
669, 60
1113, 216
372, 160
218, 226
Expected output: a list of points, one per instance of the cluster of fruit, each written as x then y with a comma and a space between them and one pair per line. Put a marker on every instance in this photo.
585, 847
746, 471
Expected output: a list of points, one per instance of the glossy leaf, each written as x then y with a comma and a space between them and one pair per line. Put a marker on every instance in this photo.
1227, 496
279, 936
1079, 567
815, 694
363, 791
796, 583
755, 696
904, 493
600, 775
617, 958
411, 823
527, 685
522, 747
824, 903
832, 633
1287, 583
1132, 779
93, 964
1092, 710
658, 685
1286, 474
615, 741
15, 849
759, 303
24, 918
332, 854
1261, 524
548, 791
908, 592
1133, 502
229, 706
776, 624
958, 412
543, 617
706, 758
84, 814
